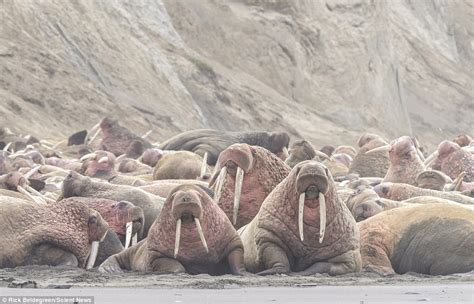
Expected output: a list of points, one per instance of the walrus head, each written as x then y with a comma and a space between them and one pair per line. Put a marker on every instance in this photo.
236, 161
151, 156
401, 149
432, 179
97, 230
364, 203
300, 150
445, 148
463, 140
97, 164
313, 184
187, 211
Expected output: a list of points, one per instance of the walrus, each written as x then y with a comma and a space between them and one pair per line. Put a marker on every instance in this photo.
101, 164
245, 176
118, 139
54, 234
375, 164
405, 160
192, 235
77, 185
435, 240
463, 140
124, 218
400, 192
302, 227
215, 141
180, 165
453, 160
302, 150
349, 150
134, 167
364, 202
432, 179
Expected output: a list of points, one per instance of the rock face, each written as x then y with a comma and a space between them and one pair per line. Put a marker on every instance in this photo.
323, 70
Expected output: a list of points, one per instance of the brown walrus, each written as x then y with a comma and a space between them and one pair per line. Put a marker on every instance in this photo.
370, 165
435, 240
401, 192
247, 174
191, 235
59, 233
214, 142
302, 227
405, 160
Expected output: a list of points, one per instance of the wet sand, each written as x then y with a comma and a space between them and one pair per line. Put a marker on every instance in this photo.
354, 288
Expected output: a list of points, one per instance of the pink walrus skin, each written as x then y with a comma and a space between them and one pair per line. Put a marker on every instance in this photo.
260, 172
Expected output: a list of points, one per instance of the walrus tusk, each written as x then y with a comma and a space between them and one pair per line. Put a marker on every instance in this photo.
24, 192
201, 234
322, 155
128, 234
88, 156
285, 152
146, 134
239, 179
94, 137
134, 239
177, 238
95, 128
30, 173
322, 216
378, 149
220, 183
458, 182
301, 215
57, 145
122, 156
204, 165
7, 146
103, 160
93, 254
32, 190
420, 155
431, 158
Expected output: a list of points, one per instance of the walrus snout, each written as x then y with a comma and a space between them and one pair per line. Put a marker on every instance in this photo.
237, 155
187, 206
366, 210
312, 176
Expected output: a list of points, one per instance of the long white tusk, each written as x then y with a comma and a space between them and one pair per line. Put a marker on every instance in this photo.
88, 156
301, 215
177, 238
31, 172
431, 158
201, 234
32, 190
379, 149
7, 146
37, 200
420, 155
285, 152
103, 160
146, 134
57, 145
204, 165
128, 234
220, 183
120, 157
93, 137
93, 254
134, 239
322, 216
239, 179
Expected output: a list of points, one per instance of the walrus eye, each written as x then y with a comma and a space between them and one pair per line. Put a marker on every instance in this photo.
92, 220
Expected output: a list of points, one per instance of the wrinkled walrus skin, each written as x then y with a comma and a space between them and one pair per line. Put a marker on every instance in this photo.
214, 142
158, 253
435, 239
272, 241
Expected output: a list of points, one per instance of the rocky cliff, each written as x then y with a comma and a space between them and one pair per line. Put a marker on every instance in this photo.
323, 70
